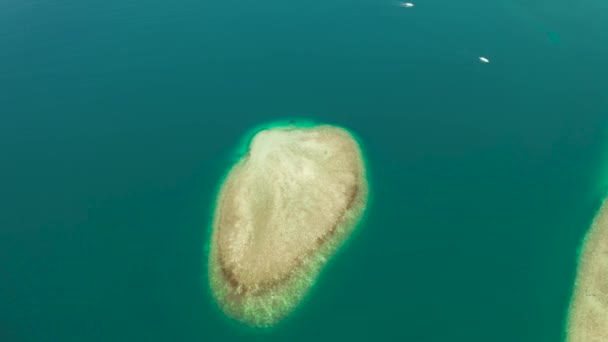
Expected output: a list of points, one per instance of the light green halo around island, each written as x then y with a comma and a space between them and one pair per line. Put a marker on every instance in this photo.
588, 312
283, 210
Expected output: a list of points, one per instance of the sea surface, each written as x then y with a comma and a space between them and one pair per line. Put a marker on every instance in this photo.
118, 120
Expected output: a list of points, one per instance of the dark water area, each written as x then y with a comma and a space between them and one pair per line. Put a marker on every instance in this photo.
118, 120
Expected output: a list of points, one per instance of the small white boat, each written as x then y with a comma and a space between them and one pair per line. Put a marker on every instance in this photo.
484, 60
407, 4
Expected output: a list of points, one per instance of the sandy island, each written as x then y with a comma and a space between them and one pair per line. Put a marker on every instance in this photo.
588, 313
281, 213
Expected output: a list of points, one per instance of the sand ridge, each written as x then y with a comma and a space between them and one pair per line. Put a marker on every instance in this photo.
282, 211
588, 312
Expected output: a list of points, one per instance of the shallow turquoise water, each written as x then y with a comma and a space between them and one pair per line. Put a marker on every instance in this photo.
118, 119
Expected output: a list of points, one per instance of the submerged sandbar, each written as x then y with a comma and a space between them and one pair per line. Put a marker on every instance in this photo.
588, 312
282, 211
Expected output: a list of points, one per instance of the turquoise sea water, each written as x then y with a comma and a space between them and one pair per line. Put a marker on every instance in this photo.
119, 118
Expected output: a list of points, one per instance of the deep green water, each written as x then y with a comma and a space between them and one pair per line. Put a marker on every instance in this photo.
119, 118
